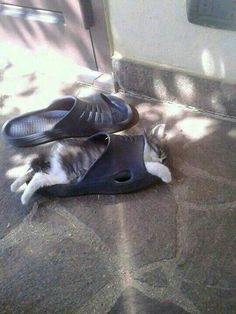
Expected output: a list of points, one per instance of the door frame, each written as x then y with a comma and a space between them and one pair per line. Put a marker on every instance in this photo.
99, 36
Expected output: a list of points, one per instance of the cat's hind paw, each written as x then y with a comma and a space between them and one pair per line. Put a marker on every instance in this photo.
15, 186
25, 199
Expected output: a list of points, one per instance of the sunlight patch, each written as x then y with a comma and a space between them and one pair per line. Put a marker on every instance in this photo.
173, 109
185, 86
208, 63
232, 133
160, 89
16, 172
196, 128
20, 159
86, 92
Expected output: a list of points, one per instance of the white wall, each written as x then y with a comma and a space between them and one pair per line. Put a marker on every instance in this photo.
157, 31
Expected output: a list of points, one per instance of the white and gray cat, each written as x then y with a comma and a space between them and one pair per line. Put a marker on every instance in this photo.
69, 159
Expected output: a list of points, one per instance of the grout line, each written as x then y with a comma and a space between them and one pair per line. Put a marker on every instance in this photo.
96, 78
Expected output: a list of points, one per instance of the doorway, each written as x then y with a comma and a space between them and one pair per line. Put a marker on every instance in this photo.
75, 29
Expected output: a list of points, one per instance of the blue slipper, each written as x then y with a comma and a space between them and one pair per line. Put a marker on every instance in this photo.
120, 169
69, 117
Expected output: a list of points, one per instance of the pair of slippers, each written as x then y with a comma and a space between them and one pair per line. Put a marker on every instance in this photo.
120, 169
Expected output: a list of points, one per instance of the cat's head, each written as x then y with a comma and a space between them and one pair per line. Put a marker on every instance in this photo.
155, 144
41, 163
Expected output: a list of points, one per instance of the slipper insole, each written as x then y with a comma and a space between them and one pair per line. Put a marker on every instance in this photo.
33, 124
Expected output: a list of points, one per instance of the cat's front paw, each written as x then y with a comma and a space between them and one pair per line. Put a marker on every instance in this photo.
166, 175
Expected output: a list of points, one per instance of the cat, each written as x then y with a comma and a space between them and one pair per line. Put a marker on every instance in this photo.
70, 159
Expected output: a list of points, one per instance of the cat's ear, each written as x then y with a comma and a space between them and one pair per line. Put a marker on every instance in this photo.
159, 131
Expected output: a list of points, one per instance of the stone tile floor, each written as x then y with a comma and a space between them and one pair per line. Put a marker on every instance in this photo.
168, 249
